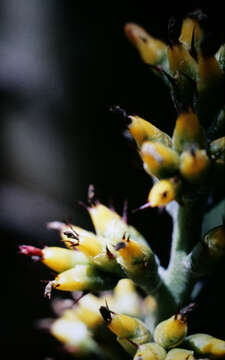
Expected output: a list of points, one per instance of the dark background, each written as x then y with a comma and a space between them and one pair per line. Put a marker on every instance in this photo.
62, 65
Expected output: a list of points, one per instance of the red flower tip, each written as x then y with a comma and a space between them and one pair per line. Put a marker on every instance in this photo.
30, 250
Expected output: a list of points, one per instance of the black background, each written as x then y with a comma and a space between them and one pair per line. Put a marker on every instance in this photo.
63, 64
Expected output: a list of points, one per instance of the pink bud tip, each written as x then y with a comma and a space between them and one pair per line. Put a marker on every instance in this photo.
30, 250
145, 206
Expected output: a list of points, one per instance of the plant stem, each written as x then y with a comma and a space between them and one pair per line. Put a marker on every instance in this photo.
187, 222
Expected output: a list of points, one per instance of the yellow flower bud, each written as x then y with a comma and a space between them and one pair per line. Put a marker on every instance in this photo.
206, 345
180, 354
150, 351
59, 259
74, 333
188, 132
209, 72
87, 310
142, 130
133, 256
194, 165
129, 330
215, 241
181, 61
159, 160
56, 258
163, 192
110, 225
170, 333
85, 241
152, 51
126, 298
82, 277
190, 32
217, 148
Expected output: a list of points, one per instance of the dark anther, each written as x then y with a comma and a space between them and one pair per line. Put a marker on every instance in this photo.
91, 195
193, 151
120, 245
143, 39
106, 314
71, 234
164, 194
116, 109
109, 254
193, 51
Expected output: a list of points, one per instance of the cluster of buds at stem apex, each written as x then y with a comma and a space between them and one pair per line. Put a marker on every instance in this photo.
98, 261
188, 64
206, 345
130, 331
171, 332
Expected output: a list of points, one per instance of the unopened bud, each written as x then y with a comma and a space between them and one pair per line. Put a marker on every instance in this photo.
126, 299
188, 132
142, 130
159, 160
170, 333
163, 192
82, 278
181, 62
194, 165
110, 225
129, 330
206, 345
217, 149
56, 258
152, 51
180, 354
150, 351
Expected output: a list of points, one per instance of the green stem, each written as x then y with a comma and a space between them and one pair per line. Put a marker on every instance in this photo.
165, 306
187, 222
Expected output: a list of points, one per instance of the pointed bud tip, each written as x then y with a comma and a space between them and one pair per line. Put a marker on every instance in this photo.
30, 251
145, 206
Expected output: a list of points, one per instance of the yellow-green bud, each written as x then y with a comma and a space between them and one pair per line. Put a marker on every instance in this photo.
191, 33
150, 351
206, 345
194, 165
170, 333
159, 160
74, 333
181, 61
152, 51
142, 130
82, 277
110, 225
217, 148
163, 192
129, 330
126, 299
188, 132
215, 241
180, 354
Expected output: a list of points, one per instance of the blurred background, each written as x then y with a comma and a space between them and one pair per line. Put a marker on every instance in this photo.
62, 65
